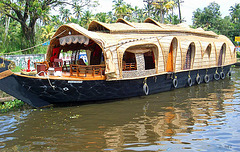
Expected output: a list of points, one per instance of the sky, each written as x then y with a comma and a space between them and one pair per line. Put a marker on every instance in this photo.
187, 6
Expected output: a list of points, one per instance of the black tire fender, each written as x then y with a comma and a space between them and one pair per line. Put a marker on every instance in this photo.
175, 83
222, 75
189, 81
206, 78
198, 79
146, 89
216, 76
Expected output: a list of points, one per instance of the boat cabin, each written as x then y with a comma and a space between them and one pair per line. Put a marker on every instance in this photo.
125, 50
72, 42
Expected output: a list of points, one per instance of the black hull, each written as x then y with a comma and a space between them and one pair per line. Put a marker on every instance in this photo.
42, 92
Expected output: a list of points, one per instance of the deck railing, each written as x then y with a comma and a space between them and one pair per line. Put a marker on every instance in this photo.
87, 71
129, 66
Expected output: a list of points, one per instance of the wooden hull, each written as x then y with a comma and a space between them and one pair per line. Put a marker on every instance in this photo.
39, 92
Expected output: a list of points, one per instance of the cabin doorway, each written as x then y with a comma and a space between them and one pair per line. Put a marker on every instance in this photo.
170, 60
221, 56
171, 56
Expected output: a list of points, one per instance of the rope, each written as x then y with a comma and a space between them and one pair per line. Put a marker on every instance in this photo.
33, 46
47, 78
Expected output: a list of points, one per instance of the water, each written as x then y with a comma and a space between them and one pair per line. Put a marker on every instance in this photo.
200, 118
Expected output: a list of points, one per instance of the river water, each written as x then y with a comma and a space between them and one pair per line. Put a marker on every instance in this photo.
199, 118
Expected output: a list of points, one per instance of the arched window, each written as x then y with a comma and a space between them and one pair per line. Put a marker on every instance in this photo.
221, 56
206, 56
189, 56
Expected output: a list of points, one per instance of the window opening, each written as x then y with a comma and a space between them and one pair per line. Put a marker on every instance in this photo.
129, 61
149, 60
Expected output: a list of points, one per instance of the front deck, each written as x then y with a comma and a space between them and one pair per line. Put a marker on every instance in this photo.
70, 72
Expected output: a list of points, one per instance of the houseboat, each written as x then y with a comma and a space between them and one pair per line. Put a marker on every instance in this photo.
124, 59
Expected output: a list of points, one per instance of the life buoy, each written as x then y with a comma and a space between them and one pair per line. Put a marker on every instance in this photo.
145, 89
198, 79
189, 81
216, 76
222, 75
206, 78
175, 83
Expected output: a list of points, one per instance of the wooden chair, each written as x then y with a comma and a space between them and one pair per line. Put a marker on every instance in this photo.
57, 64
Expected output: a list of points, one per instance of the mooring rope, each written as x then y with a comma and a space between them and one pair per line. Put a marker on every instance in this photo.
46, 75
34, 46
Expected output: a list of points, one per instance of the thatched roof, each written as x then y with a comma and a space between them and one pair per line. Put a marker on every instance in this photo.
149, 26
72, 29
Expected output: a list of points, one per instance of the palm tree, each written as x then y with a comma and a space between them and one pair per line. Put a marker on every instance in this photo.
111, 17
129, 11
120, 8
77, 10
162, 7
235, 13
139, 15
65, 13
102, 17
47, 32
55, 21
87, 18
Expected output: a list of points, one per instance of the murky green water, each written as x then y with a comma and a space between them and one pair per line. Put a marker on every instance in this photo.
200, 118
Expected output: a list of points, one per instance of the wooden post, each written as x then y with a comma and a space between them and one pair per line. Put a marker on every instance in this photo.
6, 99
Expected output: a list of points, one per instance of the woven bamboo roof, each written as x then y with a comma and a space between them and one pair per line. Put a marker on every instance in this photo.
149, 26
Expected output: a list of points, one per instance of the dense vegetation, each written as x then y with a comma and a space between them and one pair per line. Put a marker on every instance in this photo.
29, 22
11, 105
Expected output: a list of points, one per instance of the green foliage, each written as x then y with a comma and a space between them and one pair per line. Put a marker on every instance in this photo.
210, 19
172, 19
238, 54
16, 69
11, 105
40, 25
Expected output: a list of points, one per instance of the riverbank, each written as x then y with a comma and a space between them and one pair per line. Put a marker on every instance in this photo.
11, 105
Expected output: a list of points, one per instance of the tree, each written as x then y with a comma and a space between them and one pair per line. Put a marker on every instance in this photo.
139, 15
148, 7
47, 32
27, 12
79, 5
235, 20
122, 9
235, 13
208, 18
172, 19
102, 17
65, 14
162, 7
87, 18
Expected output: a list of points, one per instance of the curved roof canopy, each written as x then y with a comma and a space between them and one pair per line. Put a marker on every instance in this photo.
149, 26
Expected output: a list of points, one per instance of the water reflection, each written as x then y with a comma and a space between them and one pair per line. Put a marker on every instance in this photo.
199, 118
